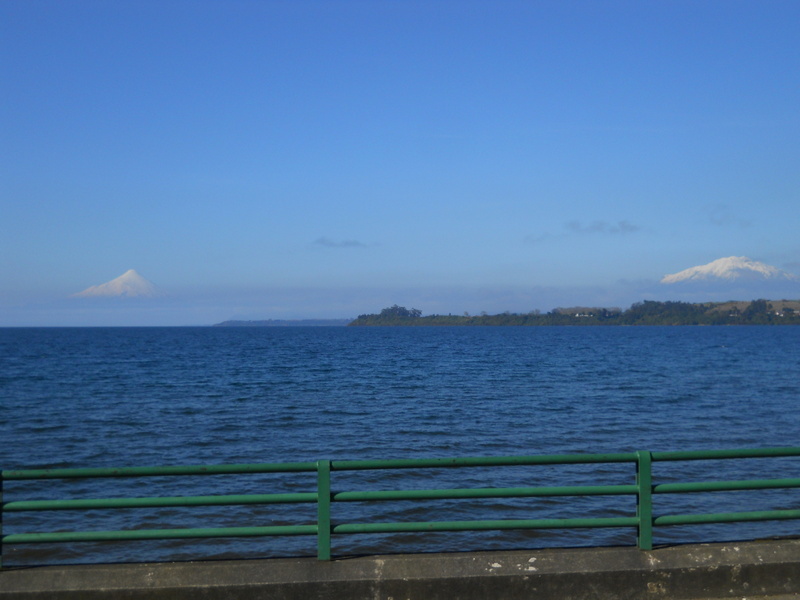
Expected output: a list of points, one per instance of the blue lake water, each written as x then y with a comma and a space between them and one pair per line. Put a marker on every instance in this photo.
161, 396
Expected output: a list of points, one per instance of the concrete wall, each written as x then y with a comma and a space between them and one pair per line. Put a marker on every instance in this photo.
740, 570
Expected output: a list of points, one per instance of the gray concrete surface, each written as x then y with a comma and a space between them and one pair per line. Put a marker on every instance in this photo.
769, 568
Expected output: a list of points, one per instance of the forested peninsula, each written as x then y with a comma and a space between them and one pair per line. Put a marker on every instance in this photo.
649, 312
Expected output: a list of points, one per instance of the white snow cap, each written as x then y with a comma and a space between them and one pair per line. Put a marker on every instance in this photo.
731, 268
130, 284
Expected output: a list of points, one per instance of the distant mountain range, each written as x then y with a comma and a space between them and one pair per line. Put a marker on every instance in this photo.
128, 285
731, 269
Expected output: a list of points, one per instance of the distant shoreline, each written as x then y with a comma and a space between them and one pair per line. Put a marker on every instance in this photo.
286, 323
649, 312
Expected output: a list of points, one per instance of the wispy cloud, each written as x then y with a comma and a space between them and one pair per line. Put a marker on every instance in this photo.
577, 228
329, 243
620, 227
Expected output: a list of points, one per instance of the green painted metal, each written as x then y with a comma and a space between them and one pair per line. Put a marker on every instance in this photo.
463, 493
734, 517
485, 525
644, 500
160, 471
725, 486
642, 490
324, 510
159, 502
158, 534
495, 461
722, 454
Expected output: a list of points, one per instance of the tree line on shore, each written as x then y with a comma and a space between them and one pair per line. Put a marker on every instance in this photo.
648, 312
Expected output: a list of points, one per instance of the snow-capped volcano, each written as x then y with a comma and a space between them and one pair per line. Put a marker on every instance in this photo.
731, 269
128, 285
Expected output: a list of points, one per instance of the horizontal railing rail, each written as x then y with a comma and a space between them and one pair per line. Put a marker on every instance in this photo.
641, 488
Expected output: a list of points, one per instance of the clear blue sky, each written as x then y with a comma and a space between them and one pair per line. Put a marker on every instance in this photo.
283, 159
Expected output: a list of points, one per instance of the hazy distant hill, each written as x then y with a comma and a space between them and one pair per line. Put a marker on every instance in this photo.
287, 323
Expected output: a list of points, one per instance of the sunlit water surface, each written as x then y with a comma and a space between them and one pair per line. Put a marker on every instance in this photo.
174, 396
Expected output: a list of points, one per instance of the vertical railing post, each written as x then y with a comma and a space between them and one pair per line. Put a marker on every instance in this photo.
323, 509
644, 499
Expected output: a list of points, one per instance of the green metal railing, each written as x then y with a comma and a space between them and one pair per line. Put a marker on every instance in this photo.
642, 488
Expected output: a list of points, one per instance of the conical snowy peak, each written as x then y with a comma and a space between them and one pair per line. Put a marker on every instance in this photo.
730, 269
128, 285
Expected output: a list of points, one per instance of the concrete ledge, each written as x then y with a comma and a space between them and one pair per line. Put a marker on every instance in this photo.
704, 571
